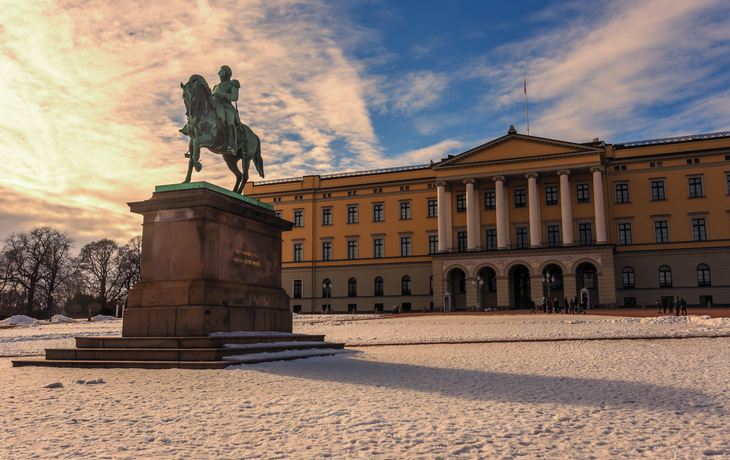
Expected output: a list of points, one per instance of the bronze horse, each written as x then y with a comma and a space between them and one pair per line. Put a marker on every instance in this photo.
207, 130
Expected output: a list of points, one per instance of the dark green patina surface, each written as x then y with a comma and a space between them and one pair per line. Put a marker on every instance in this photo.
215, 188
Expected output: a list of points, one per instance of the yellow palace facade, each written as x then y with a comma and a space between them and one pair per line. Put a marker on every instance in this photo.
515, 219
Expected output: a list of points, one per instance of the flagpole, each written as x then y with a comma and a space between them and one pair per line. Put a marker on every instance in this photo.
527, 113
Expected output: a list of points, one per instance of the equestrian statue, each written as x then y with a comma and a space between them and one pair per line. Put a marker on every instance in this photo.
213, 123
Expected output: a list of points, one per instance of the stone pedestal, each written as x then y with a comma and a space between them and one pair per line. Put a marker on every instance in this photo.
211, 262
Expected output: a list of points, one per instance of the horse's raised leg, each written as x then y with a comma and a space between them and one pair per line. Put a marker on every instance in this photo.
196, 155
191, 163
232, 163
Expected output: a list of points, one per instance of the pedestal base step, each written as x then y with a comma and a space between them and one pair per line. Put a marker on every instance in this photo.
215, 352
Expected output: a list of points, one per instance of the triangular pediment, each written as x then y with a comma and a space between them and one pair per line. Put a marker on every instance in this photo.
516, 147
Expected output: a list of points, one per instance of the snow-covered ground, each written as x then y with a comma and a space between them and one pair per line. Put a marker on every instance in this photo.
601, 399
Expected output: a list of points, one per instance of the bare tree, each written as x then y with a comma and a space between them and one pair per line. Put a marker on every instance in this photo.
130, 258
100, 263
33, 264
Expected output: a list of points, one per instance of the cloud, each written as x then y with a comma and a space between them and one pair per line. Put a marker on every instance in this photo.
91, 99
418, 90
597, 78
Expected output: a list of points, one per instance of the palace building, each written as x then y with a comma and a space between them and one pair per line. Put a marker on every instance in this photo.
518, 218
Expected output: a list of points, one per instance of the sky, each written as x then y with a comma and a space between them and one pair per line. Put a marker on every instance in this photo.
91, 101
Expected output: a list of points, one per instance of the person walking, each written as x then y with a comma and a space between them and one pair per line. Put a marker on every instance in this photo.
671, 305
532, 307
658, 308
565, 300
544, 305
557, 306
683, 303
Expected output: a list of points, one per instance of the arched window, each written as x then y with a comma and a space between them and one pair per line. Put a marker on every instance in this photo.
379, 286
703, 275
405, 285
628, 273
431, 284
326, 288
352, 287
589, 278
665, 276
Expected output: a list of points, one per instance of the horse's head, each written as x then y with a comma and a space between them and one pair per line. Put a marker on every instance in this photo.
195, 92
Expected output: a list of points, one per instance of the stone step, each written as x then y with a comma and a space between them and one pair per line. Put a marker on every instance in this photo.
156, 364
178, 354
189, 342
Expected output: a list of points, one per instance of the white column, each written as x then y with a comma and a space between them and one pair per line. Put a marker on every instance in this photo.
502, 213
449, 220
470, 215
566, 207
598, 204
442, 215
534, 208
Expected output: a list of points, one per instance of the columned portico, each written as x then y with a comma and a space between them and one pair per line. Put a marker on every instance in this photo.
598, 204
471, 211
534, 208
502, 213
566, 207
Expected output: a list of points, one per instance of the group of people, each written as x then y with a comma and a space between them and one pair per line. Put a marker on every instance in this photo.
550, 306
668, 304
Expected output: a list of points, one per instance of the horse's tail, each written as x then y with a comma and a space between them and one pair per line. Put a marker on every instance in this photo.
257, 160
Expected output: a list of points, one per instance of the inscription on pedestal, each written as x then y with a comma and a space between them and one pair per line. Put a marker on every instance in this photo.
247, 258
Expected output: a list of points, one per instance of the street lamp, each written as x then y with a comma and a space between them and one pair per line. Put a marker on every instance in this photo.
328, 292
478, 283
547, 280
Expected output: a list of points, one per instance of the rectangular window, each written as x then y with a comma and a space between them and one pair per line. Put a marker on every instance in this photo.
297, 294
622, 193
520, 198
298, 248
378, 248
582, 193
278, 214
352, 214
585, 235
405, 210
326, 216
705, 299
521, 239
378, 215
553, 235
491, 239
695, 187
352, 249
657, 190
299, 218
551, 195
433, 244
699, 230
462, 241
405, 246
490, 201
461, 203
326, 250
624, 234
433, 208
661, 231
